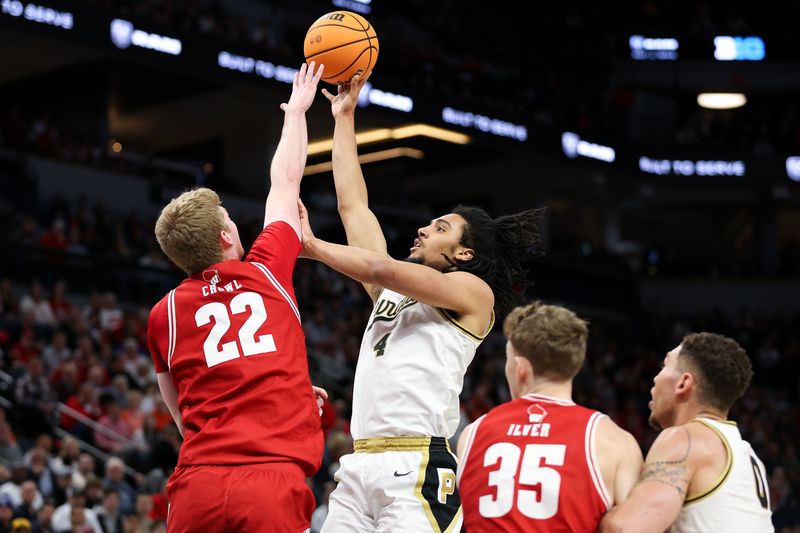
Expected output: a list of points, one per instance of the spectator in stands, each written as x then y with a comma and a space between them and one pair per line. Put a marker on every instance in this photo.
39, 471
61, 306
119, 389
115, 480
44, 442
35, 304
9, 450
33, 396
56, 352
6, 512
13, 487
144, 508
108, 513
75, 513
112, 421
65, 379
111, 316
63, 484
141, 372
79, 522
31, 502
27, 347
86, 403
44, 518
68, 455
132, 415
94, 493
86, 470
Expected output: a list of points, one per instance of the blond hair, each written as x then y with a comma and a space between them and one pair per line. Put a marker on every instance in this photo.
188, 230
552, 338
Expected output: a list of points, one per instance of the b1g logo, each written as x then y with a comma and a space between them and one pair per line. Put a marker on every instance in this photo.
739, 48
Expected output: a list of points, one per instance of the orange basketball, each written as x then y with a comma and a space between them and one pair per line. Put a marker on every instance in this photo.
344, 42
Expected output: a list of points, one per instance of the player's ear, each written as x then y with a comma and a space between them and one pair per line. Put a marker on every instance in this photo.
465, 254
685, 384
225, 239
524, 370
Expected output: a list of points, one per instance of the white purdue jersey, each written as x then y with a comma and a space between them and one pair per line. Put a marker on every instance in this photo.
410, 370
739, 501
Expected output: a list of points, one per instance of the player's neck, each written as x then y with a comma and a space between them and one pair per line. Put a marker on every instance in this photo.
690, 412
712, 414
554, 389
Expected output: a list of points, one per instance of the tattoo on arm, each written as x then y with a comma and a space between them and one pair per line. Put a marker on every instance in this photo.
674, 473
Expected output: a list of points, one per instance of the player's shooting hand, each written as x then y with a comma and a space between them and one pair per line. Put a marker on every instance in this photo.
321, 395
304, 88
307, 233
344, 103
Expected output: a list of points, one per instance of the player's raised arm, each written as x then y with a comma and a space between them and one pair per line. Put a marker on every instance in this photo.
289, 160
360, 224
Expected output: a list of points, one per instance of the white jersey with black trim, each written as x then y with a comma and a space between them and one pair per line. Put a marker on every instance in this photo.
410, 370
739, 500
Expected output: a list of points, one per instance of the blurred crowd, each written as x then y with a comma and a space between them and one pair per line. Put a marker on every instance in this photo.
75, 370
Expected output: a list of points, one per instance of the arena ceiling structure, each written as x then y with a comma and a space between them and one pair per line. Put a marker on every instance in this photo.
590, 111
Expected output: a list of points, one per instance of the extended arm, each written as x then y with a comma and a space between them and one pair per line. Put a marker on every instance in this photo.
170, 395
289, 160
656, 500
461, 292
360, 224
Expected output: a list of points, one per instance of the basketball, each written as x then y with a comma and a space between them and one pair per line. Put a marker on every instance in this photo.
344, 42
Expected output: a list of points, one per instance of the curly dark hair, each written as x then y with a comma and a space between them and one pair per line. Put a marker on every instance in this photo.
500, 245
724, 367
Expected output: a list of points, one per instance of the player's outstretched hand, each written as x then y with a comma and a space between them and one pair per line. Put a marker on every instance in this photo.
307, 233
321, 395
304, 88
344, 103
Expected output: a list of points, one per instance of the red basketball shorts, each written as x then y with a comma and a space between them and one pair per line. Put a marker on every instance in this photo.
269, 498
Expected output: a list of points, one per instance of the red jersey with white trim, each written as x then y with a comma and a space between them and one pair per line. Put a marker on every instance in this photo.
231, 338
530, 465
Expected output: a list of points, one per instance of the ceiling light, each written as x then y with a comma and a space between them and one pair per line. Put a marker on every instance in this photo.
372, 157
403, 132
721, 100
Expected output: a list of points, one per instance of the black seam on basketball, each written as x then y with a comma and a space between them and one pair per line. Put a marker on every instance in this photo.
335, 47
337, 26
359, 23
366, 30
348, 66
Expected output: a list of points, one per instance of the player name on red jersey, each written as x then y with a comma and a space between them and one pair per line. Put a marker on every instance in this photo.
529, 430
234, 285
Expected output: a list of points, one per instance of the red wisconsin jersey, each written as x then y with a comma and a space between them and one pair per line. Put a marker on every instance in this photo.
230, 336
530, 465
